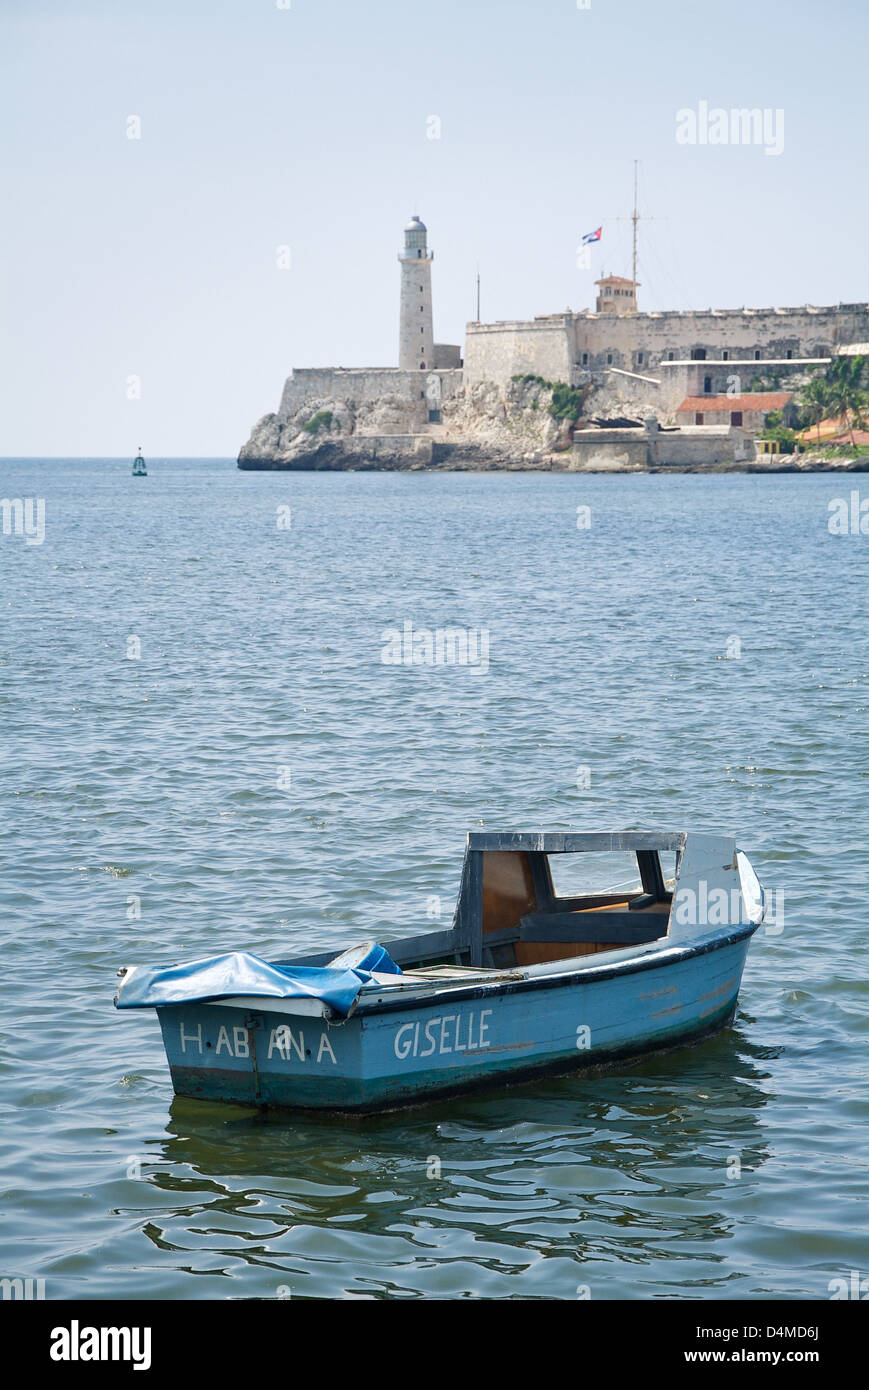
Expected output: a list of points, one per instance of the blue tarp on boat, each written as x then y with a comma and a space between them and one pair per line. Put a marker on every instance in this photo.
237, 972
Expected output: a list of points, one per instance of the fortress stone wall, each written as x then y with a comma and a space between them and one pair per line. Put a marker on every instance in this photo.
499, 351
566, 347
649, 446
365, 386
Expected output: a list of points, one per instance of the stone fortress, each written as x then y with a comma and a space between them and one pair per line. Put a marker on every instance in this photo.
490, 406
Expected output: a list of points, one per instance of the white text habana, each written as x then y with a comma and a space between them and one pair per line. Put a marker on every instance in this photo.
285, 1042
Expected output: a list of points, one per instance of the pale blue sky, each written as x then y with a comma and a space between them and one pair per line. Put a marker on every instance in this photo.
308, 127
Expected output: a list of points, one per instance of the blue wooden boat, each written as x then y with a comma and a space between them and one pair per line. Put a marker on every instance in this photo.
567, 952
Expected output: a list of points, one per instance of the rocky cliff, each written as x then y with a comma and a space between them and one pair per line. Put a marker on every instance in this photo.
529, 423
482, 426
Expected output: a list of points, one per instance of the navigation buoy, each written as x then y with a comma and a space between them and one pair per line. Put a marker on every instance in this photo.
139, 469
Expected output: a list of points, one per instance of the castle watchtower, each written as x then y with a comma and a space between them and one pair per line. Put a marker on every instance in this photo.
416, 333
616, 295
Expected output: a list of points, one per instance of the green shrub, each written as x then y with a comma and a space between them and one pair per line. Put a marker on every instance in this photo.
322, 420
525, 377
786, 438
839, 451
566, 402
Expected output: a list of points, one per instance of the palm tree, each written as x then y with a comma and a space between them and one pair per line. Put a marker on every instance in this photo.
860, 410
816, 398
843, 386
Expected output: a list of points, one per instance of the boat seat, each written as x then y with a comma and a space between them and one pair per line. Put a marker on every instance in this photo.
599, 927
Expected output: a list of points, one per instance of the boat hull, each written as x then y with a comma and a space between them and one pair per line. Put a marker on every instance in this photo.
392, 1052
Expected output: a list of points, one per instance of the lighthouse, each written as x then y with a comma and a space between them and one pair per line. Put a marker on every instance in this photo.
416, 334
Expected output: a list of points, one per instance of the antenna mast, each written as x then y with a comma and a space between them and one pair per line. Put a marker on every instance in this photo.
635, 219
478, 294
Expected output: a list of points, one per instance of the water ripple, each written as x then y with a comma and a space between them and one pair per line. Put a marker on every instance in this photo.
146, 818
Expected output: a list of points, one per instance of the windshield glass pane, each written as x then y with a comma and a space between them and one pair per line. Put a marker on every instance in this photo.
604, 871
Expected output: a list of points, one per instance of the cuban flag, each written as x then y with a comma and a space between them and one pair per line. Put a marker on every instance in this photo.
591, 236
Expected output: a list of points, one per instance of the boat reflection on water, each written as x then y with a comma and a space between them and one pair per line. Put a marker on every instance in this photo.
628, 1183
